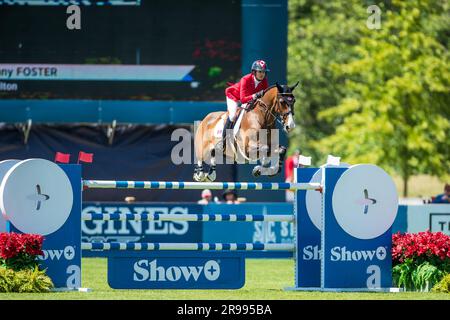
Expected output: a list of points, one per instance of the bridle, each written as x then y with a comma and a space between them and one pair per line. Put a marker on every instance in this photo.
288, 98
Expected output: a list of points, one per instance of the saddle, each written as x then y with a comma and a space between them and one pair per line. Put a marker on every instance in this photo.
234, 125
236, 118
250, 105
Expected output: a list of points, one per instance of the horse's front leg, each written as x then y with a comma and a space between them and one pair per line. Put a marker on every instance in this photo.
255, 154
265, 159
265, 156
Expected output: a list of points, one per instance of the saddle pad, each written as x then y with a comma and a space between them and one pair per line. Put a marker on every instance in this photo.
219, 126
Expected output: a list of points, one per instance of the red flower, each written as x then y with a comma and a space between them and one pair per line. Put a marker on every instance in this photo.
424, 245
9, 245
33, 244
13, 244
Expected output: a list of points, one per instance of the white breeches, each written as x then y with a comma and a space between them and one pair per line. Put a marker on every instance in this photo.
232, 108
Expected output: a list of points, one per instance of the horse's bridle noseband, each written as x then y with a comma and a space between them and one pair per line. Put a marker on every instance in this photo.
281, 97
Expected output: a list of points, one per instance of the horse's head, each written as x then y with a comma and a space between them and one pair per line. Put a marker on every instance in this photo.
285, 105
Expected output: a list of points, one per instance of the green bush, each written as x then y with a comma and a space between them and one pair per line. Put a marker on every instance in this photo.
402, 274
443, 285
26, 280
413, 277
426, 275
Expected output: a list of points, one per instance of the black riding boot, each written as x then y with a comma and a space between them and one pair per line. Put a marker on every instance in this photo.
222, 143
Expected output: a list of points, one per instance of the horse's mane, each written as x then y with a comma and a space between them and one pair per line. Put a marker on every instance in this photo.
252, 105
268, 88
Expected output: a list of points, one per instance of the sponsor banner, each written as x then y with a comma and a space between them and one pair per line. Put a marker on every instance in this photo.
440, 222
86, 72
176, 269
139, 231
183, 231
434, 217
260, 231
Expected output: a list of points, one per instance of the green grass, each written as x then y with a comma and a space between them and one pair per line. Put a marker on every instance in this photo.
265, 280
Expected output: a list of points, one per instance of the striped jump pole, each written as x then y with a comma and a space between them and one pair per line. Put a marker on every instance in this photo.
185, 217
141, 246
181, 185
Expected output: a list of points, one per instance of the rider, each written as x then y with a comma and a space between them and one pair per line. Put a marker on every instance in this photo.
250, 87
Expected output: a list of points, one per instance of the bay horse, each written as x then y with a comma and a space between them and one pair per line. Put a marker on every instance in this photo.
249, 143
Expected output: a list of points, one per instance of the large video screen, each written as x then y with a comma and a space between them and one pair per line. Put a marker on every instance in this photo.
125, 49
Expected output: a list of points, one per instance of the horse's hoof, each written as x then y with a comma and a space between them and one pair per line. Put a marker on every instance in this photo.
211, 177
199, 176
273, 171
256, 171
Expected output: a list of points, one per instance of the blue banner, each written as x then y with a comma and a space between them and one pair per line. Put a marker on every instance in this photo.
176, 270
183, 231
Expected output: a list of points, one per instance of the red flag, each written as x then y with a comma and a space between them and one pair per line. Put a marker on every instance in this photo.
85, 157
62, 157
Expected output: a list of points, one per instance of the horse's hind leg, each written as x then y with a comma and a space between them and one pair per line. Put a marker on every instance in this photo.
200, 145
211, 176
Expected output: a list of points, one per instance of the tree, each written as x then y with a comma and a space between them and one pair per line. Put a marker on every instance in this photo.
320, 34
394, 109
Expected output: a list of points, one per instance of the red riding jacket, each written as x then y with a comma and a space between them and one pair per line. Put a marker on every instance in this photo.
245, 88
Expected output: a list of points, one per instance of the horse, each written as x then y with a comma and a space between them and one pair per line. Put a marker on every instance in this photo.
249, 144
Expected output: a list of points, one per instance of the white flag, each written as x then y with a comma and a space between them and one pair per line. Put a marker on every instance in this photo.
304, 161
333, 161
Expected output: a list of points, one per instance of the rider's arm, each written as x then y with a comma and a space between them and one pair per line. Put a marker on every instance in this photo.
263, 86
246, 91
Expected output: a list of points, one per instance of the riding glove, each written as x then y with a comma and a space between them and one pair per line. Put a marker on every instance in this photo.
258, 95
